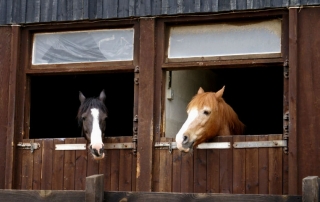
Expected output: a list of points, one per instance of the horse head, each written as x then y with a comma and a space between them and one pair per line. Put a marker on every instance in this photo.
92, 116
208, 116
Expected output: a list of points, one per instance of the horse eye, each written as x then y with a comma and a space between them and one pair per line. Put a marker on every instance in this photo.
83, 118
206, 112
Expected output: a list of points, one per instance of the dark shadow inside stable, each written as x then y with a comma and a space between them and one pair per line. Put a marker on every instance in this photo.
55, 102
256, 95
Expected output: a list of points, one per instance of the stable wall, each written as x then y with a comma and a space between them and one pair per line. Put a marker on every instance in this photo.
306, 158
308, 94
8, 61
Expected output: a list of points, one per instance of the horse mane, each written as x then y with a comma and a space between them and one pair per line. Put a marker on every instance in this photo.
228, 115
236, 127
89, 103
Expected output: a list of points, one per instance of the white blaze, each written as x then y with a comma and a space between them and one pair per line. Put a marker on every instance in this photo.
96, 132
192, 115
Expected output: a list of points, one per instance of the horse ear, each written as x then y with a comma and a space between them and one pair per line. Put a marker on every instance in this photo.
81, 97
220, 92
102, 96
200, 90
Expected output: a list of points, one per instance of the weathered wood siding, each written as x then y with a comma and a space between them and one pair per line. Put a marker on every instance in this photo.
237, 171
5, 60
23, 11
48, 169
308, 89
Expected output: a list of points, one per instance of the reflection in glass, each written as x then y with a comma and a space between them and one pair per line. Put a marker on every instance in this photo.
83, 46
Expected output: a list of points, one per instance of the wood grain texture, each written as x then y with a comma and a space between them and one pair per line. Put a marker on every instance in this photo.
47, 164
42, 195
37, 165
213, 170
252, 172
156, 171
310, 188
125, 167
226, 166
94, 188
114, 166
239, 167
176, 170
175, 197
11, 126
275, 167
187, 172
165, 174
81, 166
293, 187
27, 169
308, 88
146, 102
263, 167
69, 166
200, 171
57, 167
6, 117
105, 166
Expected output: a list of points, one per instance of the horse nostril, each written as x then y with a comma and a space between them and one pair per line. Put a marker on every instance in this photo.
101, 151
95, 152
185, 139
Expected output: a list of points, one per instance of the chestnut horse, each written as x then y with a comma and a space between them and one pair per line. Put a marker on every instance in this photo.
208, 116
92, 116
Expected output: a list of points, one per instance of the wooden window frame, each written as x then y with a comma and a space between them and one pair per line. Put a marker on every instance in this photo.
26, 68
163, 64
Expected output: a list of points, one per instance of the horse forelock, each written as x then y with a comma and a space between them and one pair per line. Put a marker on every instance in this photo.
88, 104
199, 101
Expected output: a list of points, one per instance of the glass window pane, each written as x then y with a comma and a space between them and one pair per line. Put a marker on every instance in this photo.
83, 46
225, 39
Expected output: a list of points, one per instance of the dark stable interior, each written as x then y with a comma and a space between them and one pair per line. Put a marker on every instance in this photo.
55, 103
256, 95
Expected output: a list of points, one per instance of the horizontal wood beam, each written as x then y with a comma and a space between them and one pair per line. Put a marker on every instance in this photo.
175, 197
42, 195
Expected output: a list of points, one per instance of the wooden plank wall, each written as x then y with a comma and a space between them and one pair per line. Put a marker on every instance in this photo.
5, 117
308, 95
237, 171
48, 169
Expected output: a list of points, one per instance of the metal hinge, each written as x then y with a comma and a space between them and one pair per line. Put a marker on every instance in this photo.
31, 146
260, 144
210, 145
136, 77
286, 69
286, 130
135, 135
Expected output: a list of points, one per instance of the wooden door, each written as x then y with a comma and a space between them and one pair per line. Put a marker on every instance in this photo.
49, 169
259, 170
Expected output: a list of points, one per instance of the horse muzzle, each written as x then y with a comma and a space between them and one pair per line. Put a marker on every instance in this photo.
185, 145
97, 151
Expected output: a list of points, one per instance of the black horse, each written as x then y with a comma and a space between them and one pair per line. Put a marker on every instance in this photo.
92, 115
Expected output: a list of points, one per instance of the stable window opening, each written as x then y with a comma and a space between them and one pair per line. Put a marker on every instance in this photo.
54, 102
255, 94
